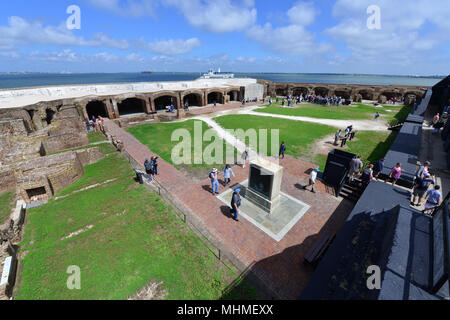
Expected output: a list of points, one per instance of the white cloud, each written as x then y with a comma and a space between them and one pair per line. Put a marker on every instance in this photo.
302, 13
217, 15
22, 32
293, 39
409, 31
172, 46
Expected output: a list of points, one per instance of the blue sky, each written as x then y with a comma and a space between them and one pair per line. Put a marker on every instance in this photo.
327, 36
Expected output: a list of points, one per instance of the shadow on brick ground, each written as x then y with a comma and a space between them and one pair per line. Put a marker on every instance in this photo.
285, 275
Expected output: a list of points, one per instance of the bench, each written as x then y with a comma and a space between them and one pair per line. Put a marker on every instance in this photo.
318, 249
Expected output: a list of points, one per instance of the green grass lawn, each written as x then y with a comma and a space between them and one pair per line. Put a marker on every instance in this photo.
135, 239
158, 138
370, 145
355, 112
96, 136
6, 205
298, 136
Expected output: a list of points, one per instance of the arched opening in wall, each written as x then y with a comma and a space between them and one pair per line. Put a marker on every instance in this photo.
50, 115
391, 94
31, 114
193, 100
366, 94
342, 93
131, 106
281, 92
297, 92
234, 95
215, 97
163, 102
321, 91
96, 108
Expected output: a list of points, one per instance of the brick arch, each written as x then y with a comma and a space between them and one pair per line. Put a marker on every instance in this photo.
219, 96
199, 95
234, 94
367, 94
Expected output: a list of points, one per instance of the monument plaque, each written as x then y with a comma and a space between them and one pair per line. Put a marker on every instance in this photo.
264, 188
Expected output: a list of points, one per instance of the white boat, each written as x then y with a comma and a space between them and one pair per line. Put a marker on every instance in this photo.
217, 75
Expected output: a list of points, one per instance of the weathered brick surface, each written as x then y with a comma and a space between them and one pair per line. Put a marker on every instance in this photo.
7, 181
278, 264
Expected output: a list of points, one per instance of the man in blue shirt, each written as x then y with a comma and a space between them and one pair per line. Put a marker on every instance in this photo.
433, 200
235, 204
282, 149
214, 176
421, 189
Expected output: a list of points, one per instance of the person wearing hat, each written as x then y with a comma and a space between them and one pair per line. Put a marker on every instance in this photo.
235, 204
312, 180
214, 176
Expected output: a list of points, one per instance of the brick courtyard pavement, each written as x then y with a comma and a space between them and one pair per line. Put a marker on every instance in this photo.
278, 264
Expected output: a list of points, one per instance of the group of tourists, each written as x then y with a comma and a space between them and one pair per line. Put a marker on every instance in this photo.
343, 137
215, 185
422, 194
151, 167
424, 178
170, 109
95, 124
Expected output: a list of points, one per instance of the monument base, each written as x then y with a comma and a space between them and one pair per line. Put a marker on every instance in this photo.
267, 205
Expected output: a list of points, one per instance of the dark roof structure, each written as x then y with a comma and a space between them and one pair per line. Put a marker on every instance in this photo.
411, 249
393, 236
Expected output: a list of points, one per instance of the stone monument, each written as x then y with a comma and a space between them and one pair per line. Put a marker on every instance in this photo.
264, 186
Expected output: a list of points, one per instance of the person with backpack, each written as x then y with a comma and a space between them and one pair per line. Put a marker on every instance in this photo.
235, 204
214, 177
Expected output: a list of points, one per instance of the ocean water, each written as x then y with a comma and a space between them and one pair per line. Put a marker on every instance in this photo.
8, 81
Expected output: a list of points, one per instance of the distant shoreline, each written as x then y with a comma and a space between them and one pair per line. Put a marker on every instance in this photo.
35, 80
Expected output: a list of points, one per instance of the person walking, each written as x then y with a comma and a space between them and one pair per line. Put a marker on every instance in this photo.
282, 150
355, 167
367, 175
235, 204
214, 176
377, 116
395, 174
378, 168
244, 158
312, 180
88, 125
227, 173
432, 200
155, 165
421, 188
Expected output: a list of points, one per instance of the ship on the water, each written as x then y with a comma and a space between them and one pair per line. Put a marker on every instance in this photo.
148, 71
217, 75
